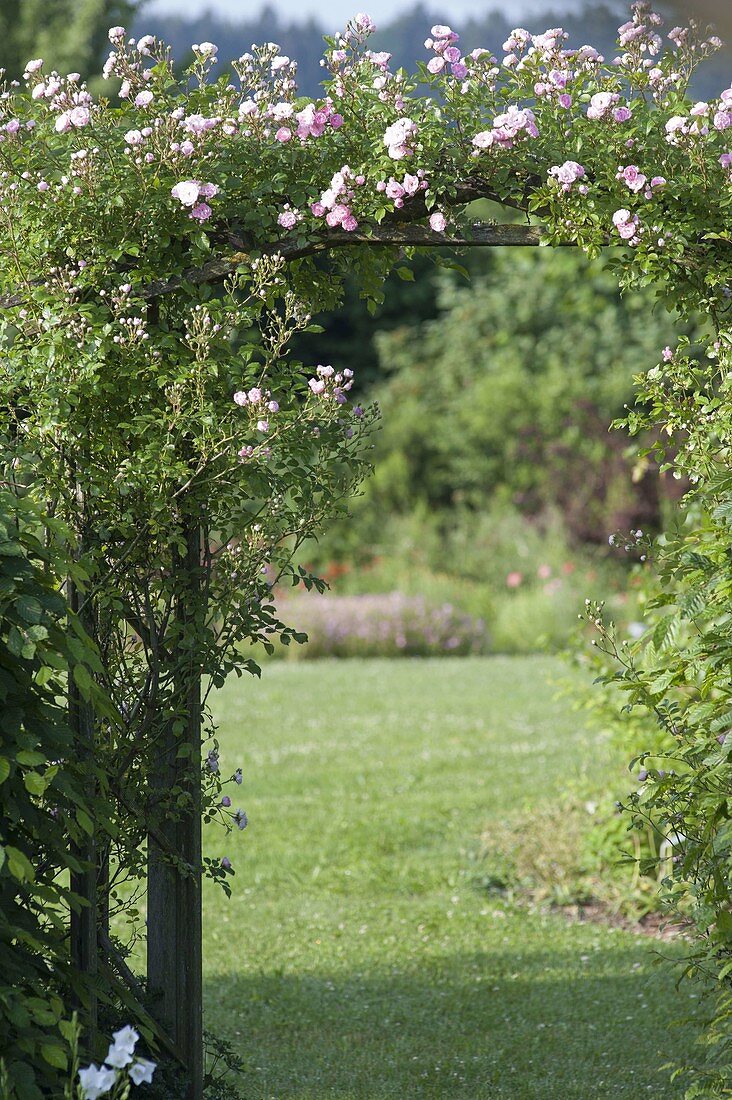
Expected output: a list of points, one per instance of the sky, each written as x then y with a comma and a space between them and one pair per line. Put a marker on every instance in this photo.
333, 14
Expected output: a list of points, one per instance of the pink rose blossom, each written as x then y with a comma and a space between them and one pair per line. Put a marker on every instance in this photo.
399, 138
438, 223
568, 173
143, 99
201, 212
186, 192
633, 177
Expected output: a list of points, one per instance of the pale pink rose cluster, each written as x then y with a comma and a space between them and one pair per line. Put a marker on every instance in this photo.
72, 103
627, 226
726, 162
258, 398
567, 174
680, 127
549, 42
447, 54
636, 181
604, 105
335, 202
75, 118
380, 59
400, 137
398, 191
521, 47
145, 45
312, 121
554, 86
288, 217
507, 129
260, 402
188, 193
363, 24
638, 33
329, 383
723, 115
632, 177
517, 41
206, 51
125, 62
198, 124
11, 128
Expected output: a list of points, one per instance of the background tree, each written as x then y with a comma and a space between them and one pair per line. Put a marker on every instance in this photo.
70, 35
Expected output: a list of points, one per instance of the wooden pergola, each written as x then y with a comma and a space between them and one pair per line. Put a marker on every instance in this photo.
174, 908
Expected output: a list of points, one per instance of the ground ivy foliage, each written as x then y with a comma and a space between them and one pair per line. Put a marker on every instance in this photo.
146, 395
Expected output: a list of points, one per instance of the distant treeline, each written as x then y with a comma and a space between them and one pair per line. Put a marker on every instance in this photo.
591, 23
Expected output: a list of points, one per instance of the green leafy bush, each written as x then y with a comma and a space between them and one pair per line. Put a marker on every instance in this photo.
508, 394
45, 807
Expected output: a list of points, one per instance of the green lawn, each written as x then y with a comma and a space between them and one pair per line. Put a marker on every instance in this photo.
360, 956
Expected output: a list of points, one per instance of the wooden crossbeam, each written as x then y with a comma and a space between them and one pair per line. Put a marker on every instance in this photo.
387, 235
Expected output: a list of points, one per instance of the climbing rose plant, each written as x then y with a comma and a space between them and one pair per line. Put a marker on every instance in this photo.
162, 246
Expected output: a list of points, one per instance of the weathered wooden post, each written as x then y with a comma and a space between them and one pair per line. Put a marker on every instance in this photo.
84, 921
174, 925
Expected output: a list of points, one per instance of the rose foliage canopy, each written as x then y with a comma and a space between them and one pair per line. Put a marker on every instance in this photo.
161, 246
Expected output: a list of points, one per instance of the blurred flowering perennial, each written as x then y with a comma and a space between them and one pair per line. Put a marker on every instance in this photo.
190, 466
392, 625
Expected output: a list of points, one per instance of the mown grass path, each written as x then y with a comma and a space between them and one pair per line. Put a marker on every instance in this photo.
360, 957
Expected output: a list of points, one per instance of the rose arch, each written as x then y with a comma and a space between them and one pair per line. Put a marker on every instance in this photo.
159, 251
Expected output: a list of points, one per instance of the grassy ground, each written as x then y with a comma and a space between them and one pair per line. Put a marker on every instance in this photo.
361, 957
